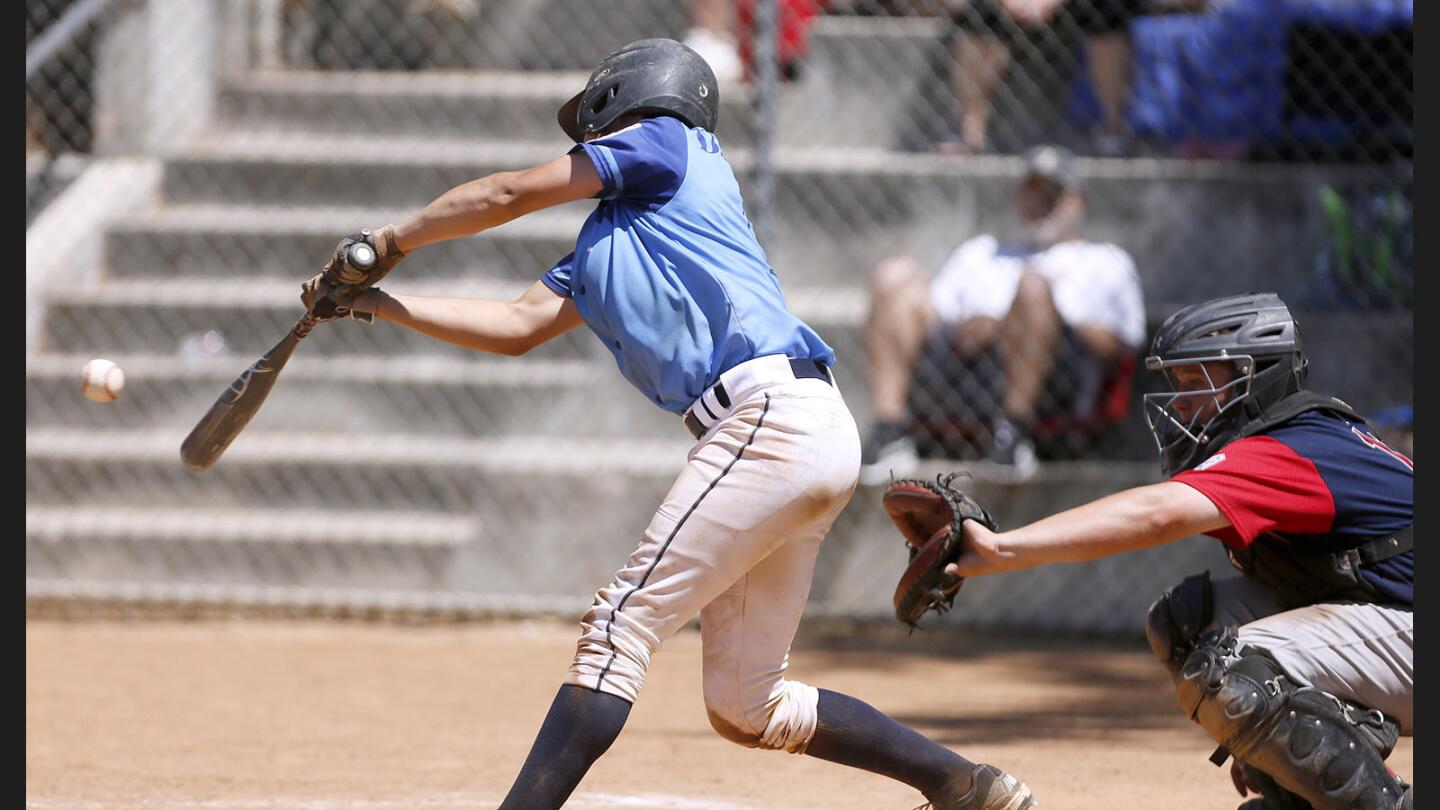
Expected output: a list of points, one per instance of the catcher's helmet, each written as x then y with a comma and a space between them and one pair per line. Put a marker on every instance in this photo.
1257, 336
657, 76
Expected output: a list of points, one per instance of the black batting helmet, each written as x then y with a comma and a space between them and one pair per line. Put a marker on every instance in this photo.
1257, 337
657, 76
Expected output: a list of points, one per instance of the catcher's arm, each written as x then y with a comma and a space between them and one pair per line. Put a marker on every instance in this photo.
1137, 518
499, 327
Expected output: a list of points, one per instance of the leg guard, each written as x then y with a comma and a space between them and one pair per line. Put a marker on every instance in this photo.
1177, 618
1273, 797
1302, 738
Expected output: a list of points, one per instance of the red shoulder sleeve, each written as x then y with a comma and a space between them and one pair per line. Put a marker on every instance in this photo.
1262, 485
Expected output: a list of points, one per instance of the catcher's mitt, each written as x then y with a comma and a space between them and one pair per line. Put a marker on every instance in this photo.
930, 514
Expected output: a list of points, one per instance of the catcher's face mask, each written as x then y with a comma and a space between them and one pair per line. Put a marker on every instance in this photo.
1205, 396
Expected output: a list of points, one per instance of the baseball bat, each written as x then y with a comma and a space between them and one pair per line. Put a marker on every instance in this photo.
238, 403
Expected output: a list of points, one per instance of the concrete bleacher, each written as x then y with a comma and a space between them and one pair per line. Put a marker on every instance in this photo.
485, 466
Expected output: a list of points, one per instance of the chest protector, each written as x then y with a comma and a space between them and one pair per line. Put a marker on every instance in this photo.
1316, 571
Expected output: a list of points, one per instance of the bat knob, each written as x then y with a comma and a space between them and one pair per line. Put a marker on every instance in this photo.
360, 256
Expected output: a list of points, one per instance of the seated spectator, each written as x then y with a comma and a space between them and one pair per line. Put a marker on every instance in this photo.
1006, 335
987, 30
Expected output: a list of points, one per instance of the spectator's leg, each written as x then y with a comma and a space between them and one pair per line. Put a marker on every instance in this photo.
1100, 342
1028, 336
975, 335
980, 62
900, 316
1110, 72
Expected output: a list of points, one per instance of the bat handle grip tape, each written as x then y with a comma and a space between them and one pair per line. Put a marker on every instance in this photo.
304, 325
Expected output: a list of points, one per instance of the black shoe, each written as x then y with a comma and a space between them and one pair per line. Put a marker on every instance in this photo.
1012, 453
888, 450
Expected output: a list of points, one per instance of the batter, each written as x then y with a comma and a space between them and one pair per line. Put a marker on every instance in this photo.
667, 273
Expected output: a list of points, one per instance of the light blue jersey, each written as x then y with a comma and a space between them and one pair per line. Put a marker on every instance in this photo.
667, 271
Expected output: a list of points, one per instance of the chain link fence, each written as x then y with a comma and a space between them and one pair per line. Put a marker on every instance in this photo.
189, 162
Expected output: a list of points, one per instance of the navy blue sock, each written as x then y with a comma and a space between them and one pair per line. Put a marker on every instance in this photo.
581, 725
852, 732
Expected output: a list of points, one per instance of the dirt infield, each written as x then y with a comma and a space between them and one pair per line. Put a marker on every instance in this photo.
311, 715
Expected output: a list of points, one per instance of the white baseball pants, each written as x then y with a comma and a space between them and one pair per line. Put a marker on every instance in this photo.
735, 541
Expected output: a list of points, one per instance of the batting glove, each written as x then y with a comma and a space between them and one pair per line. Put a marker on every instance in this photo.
339, 271
326, 302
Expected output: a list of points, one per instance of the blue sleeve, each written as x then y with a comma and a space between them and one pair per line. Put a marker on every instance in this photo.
644, 163
557, 278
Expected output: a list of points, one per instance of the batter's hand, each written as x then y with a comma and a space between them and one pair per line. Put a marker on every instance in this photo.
340, 272
326, 302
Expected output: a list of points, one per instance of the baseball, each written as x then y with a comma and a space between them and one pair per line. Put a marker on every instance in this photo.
101, 380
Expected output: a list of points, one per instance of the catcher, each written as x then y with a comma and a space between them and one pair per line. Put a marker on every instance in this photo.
1302, 667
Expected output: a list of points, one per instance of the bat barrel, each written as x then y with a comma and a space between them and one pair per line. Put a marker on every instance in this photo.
238, 403
235, 407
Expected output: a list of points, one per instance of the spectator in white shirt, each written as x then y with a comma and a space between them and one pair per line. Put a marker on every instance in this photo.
1005, 334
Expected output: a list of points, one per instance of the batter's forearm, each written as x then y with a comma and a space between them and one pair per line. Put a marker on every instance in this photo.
1134, 519
498, 198
479, 324
462, 211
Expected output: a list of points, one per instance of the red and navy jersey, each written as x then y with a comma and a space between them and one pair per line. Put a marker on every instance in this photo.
1317, 479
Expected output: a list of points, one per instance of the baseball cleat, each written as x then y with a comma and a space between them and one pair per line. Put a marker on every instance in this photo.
990, 789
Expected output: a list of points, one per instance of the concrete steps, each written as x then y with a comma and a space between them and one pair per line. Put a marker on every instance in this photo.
841, 210
156, 317
478, 105
391, 471
270, 547
525, 503
286, 243
495, 34
147, 316
436, 396
88, 598
530, 503
870, 82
